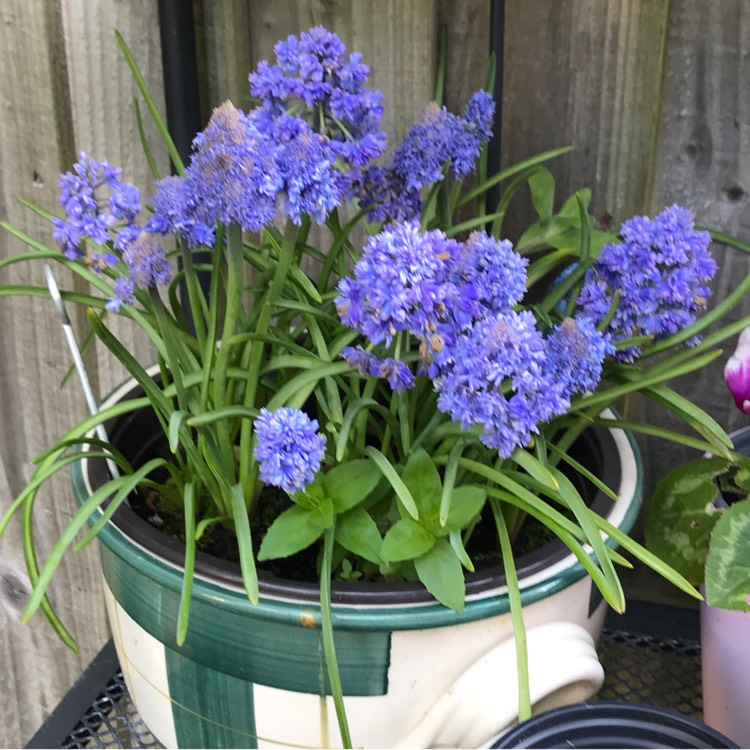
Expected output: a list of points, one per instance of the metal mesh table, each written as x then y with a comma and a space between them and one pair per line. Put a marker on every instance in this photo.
661, 668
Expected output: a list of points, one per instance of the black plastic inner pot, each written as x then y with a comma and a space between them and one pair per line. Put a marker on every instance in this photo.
139, 437
613, 724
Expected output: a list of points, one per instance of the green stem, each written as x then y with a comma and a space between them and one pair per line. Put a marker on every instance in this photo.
284, 263
170, 346
231, 316
326, 619
516, 613
195, 295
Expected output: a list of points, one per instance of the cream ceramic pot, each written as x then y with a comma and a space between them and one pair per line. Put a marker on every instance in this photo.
414, 673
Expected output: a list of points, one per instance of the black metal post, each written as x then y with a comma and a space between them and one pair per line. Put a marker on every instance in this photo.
181, 95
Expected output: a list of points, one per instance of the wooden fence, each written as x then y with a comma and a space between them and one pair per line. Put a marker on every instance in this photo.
652, 94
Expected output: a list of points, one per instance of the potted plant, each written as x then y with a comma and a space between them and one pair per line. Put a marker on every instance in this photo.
698, 520
315, 490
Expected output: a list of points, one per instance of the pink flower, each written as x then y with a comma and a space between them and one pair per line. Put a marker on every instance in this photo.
737, 372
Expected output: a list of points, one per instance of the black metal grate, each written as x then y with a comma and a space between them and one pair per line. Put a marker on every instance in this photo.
639, 668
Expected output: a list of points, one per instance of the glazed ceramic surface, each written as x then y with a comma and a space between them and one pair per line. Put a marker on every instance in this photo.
725, 656
414, 674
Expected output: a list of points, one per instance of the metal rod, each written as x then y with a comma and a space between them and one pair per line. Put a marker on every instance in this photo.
83, 375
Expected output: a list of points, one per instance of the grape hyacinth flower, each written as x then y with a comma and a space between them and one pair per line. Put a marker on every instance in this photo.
659, 274
438, 137
575, 355
399, 376
497, 379
88, 216
313, 78
737, 372
289, 449
401, 283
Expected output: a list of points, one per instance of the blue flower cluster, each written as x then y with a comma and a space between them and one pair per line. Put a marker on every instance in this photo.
489, 364
419, 160
289, 448
313, 78
401, 283
89, 217
659, 274
397, 373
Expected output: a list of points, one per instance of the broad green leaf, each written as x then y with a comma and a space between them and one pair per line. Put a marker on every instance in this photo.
681, 515
294, 530
357, 532
466, 504
350, 483
406, 540
421, 477
442, 575
542, 186
728, 563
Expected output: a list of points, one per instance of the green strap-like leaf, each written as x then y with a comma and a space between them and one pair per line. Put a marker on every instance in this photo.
401, 490
186, 593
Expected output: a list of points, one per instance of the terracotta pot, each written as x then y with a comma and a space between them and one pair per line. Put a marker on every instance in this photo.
414, 673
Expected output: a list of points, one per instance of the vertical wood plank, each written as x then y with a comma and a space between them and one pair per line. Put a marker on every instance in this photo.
104, 122
703, 163
36, 143
586, 74
397, 39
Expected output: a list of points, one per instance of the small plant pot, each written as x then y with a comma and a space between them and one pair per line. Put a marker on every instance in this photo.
725, 656
613, 724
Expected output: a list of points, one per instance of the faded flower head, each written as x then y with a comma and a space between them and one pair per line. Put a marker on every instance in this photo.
737, 372
659, 274
289, 449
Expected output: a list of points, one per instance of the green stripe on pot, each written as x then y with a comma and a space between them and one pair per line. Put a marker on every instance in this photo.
224, 714
381, 620
226, 632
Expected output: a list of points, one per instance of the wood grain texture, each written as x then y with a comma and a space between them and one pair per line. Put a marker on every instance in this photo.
102, 91
65, 88
703, 163
587, 74
36, 142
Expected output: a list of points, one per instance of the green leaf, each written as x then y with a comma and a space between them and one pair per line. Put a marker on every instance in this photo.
421, 477
467, 503
245, 542
187, 581
176, 420
441, 573
681, 515
728, 563
357, 532
294, 530
350, 483
401, 490
542, 186
406, 540
457, 543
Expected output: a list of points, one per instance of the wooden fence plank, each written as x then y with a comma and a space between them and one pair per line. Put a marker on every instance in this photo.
586, 74
36, 143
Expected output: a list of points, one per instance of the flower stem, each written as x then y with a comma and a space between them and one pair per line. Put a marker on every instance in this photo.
326, 619
516, 613
284, 263
231, 316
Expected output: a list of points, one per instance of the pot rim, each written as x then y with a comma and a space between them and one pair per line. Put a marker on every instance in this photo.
540, 573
